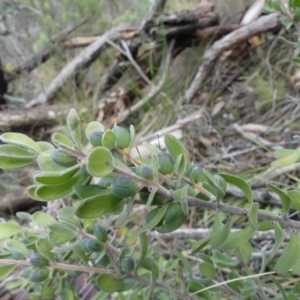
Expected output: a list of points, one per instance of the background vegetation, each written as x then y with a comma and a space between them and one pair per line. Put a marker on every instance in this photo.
238, 238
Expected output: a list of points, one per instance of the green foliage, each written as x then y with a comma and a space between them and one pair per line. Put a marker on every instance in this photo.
101, 234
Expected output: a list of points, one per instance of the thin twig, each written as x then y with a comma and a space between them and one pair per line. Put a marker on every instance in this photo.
154, 90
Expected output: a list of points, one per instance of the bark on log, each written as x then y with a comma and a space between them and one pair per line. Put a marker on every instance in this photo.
242, 34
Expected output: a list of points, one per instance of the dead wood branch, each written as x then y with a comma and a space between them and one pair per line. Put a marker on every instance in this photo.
44, 54
242, 34
84, 58
39, 116
200, 233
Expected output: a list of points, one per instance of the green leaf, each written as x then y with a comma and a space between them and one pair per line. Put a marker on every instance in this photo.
207, 270
45, 248
98, 206
222, 260
169, 227
295, 199
281, 153
56, 191
290, 255
93, 126
220, 183
176, 149
186, 263
5, 270
15, 157
74, 125
252, 215
201, 245
240, 183
154, 273
155, 220
31, 191
244, 252
20, 139
14, 245
100, 162
144, 246
50, 177
109, 139
127, 285
9, 229
46, 163
61, 227
195, 286
237, 238
218, 238
67, 215
88, 191
181, 196
287, 160
132, 136
109, 283
155, 166
73, 120
152, 148
279, 238
60, 139
45, 146
79, 251
284, 197
61, 238
42, 219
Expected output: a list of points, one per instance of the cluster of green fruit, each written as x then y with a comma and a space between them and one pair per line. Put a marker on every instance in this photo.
67, 168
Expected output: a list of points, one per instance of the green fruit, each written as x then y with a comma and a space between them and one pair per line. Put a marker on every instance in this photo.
123, 137
94, 246
127, 264
100, 233
63, 158
124, 186
39, 275
195, 173
106, 181
166, 163
38, 260
173, 212
145, 172
95, 138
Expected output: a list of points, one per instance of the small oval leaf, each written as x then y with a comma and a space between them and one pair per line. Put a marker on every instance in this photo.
9, 229
284, 197
56, 191
98, 206
100, 162
290, 255
240, 183
20, 140
50, 177
109, 283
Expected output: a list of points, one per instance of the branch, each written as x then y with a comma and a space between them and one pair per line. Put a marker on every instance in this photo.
242, 34
200, 233
85, 57
44, 54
